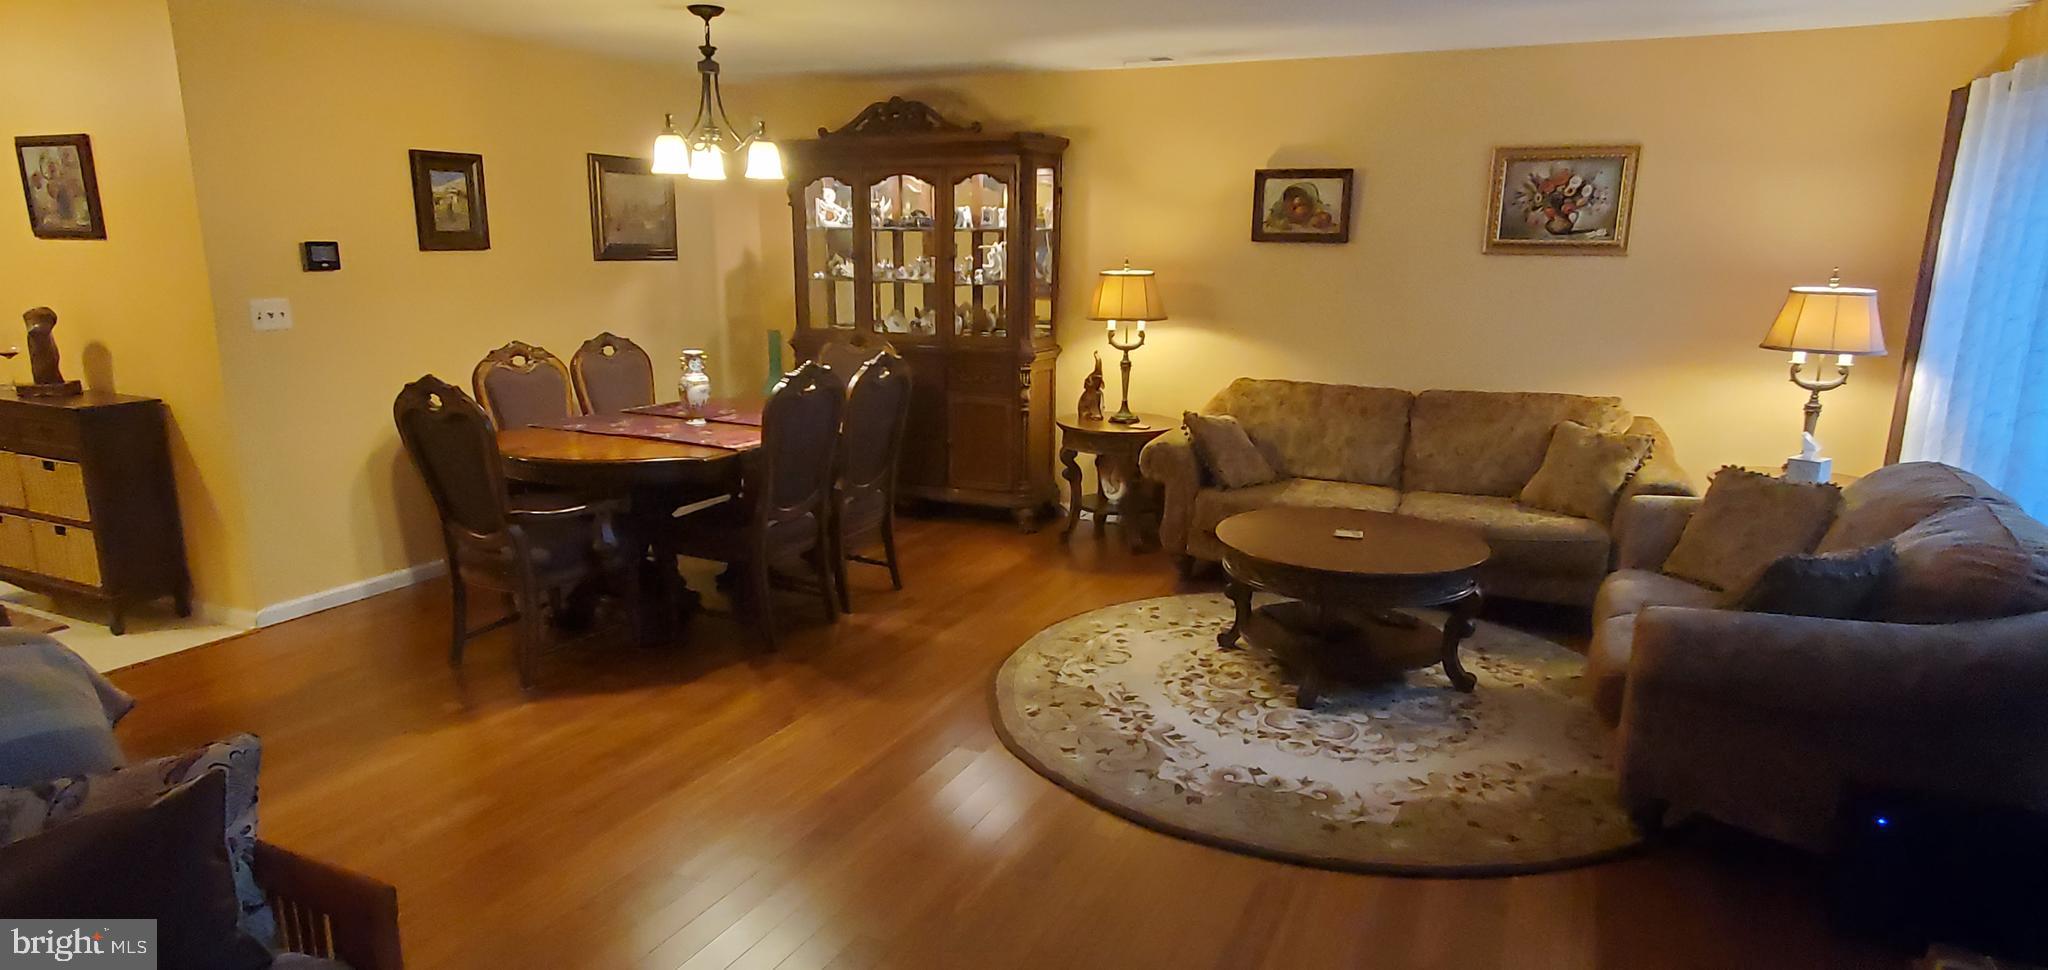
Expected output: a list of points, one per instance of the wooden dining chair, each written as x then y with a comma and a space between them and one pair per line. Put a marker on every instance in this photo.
535, 550
783, 513
611, 374
870, 441
845, 351
520, 384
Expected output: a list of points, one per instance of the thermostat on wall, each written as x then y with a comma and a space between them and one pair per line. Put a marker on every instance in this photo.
319, 257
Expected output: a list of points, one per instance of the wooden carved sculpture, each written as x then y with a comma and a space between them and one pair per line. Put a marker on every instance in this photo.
1091, 393
43, 363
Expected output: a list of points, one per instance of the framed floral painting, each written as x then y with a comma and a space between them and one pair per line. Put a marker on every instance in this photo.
1311, 205
1562, 201
62, 189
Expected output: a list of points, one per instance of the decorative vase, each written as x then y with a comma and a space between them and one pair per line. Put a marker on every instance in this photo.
695, 386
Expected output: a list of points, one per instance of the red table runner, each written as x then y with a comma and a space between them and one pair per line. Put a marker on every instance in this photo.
732, 437
723, 412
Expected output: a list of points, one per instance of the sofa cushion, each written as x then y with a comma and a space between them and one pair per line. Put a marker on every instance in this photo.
1523, 539
160, 859
1226, 451
1972, 562
1747, 521
1492, 442
1213, 505
1335, 432
57, 714
1583, 471
1837, 586
1628, 591
1881, 505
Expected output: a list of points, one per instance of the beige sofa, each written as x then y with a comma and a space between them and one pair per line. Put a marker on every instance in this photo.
1759, 720
1446, 456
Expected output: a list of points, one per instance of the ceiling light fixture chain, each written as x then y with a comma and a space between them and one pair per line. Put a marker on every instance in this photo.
700, 152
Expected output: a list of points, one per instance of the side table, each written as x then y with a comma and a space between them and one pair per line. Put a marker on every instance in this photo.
1119, 489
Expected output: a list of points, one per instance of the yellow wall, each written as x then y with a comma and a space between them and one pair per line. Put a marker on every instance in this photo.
300, 124
2028, 33
1767, 160
134, 313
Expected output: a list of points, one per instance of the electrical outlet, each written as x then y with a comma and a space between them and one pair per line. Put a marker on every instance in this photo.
270, 314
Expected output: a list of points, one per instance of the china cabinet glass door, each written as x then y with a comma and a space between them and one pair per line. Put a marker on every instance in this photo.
903, 231
829, 254
1045, 247
981, 222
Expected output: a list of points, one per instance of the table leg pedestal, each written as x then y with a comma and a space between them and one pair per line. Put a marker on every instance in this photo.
1071, 471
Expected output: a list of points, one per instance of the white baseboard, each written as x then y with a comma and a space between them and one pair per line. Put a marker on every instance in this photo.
328, 599
233, 616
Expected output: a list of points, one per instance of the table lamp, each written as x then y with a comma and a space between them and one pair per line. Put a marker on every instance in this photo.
1826, 320
1128, 296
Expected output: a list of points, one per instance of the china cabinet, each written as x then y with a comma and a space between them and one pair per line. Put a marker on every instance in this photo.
944, 240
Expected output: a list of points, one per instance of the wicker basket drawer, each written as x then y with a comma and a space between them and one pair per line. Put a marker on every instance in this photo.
17, 543
11, 495
53, 487
66, 552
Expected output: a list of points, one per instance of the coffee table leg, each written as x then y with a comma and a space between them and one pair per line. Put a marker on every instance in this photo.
1457, 627
1240, 595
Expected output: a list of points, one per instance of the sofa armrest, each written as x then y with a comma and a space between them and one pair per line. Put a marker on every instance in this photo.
1646, 528
1661, 474
1170, 461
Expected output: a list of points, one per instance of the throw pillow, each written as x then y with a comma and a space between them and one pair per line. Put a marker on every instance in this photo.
161, 859
1583, 471
1747, 521
1226, 451
57, 714
1836, 585
31, 809
1977, 561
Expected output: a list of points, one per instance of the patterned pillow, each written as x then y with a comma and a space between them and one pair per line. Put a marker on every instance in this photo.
30, 809
1748, 521
1226, 451
1583, 471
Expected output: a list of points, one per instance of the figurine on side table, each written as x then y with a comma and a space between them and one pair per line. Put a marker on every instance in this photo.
1091, 392
43, 363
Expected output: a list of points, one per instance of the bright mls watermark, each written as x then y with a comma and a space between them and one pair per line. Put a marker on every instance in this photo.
96, 944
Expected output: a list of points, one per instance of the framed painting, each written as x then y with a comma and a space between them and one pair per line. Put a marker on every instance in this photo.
1310, 205
1563, 201
448, 203
62, 189
632, 210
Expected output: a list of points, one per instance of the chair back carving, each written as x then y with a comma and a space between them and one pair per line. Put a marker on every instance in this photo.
520, 384
877, 407
452, 443
612, 374
845, 352
791, 476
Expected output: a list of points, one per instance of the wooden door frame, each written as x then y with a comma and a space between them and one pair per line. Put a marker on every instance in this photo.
1930, 250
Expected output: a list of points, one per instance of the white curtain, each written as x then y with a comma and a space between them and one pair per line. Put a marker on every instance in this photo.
1980, 390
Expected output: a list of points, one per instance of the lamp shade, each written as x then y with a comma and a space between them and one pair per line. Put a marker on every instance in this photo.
1127, 294
1831, 319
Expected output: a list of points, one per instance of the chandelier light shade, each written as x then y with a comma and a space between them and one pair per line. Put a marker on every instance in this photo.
700, 151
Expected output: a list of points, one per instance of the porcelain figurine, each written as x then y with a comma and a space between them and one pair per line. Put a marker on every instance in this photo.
895, 323
963, 217
832, 215
1091, 392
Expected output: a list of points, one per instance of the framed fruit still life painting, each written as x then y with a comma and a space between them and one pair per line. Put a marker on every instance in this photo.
1311, 205
1562, 201
61, 186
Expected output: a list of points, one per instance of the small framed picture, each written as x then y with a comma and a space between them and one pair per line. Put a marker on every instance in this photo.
632, 210
448, 202
1562, 201
1311, 205
62, 189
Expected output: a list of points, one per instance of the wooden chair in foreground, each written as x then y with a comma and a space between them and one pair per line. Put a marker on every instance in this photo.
329, 912
783, 513
845, 351
870, 441
520, 384
536, 552
612, 374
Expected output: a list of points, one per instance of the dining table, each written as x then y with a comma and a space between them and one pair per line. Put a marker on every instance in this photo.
654, 460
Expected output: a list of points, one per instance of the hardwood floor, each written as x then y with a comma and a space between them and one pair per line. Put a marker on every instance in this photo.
844, 803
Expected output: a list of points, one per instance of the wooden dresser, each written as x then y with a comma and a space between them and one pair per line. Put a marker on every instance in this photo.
87, 502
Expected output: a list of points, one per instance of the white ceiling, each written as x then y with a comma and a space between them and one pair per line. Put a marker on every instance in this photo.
760, 37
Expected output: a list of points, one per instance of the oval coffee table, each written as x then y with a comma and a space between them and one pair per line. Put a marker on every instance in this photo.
1346, 620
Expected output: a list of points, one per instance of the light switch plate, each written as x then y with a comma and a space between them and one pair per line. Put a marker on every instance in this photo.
270, 314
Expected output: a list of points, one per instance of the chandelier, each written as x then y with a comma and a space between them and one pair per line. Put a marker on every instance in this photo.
700, 152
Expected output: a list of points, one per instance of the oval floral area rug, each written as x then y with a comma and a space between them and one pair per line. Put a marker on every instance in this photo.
1135, 708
